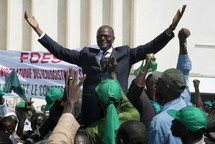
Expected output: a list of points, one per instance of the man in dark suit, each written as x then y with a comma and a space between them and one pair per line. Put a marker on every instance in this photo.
89, 60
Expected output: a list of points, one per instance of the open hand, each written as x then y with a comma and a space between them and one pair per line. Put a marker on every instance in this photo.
177, 17
31, 20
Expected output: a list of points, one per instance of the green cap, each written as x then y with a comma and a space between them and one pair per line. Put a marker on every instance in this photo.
175, 79
1, 92
20, 104
191, 117
109, 91
51, 96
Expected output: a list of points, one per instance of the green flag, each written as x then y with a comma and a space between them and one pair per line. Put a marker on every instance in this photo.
152, 67
12, 83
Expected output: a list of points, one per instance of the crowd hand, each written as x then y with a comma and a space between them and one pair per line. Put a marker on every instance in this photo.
22, 114
31, 21
196, 83
67, 75
28, 104
72, 89
111, 68
183, 34
177, 17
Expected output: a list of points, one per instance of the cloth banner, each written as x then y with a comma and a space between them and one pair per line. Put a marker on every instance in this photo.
37, 71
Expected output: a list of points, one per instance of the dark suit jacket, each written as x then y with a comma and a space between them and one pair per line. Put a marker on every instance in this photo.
86, 59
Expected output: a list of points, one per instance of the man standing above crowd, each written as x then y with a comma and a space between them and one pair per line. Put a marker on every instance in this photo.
94, 61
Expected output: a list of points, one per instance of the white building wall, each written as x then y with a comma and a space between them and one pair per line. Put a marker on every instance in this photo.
73, 23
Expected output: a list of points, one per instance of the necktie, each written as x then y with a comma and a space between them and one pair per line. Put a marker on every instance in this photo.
104, 60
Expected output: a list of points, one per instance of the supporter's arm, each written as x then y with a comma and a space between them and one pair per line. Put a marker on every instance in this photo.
65, 130
138, 97
184, 63
112, 64
138, 84
140, 79
196, 100
21, 115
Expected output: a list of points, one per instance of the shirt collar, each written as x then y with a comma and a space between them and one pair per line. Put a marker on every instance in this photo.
108, 51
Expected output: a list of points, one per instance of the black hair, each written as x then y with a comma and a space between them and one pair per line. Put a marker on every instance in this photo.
132, 132
81, 133
106, 26
5, 120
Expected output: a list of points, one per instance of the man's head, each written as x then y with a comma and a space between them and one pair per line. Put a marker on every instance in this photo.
152, 78
105, 37
131, 132
53, 98
81, 137
188, 118
151, 81
170, 85
13, 116
7, 125
38, 120
109, 92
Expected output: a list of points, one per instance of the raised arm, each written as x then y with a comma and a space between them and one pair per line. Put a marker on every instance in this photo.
66, 128
33, 23
183, 34
196, 100
138, 96
112, 64
72, 92
21, 115
140, 79
184, 63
